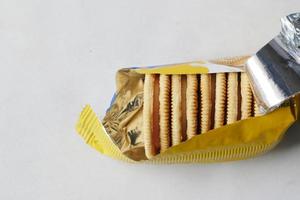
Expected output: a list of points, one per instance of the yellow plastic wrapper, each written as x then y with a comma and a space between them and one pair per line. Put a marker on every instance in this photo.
120, 136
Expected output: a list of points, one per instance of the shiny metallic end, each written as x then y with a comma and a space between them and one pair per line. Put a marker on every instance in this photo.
274, 71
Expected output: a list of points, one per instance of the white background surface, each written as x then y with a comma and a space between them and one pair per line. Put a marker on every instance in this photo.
58, 55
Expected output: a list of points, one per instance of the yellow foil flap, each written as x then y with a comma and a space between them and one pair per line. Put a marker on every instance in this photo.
255, 131
91, 130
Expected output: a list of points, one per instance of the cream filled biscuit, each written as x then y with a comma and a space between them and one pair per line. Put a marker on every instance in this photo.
176, 110
164, 111
206, 90
232, 98
192, 105
220, 102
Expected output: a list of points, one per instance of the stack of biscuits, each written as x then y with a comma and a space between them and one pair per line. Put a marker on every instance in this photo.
178, 107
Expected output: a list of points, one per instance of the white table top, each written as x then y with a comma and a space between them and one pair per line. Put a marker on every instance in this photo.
58, 55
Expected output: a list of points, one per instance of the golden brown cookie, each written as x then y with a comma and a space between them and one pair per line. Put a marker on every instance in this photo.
148, 115
176, 106
206, 102
256, 109
164, 111
246, 97
232, 98
176, 112
191, 105
220, 102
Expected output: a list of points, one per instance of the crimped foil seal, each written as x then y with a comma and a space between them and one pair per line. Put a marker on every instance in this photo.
274, 71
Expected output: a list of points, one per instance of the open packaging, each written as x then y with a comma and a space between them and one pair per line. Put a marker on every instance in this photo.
221, 110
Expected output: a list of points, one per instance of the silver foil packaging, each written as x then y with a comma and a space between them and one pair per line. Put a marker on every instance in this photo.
274, 71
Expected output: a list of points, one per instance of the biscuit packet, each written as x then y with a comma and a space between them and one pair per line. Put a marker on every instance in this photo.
221, 110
